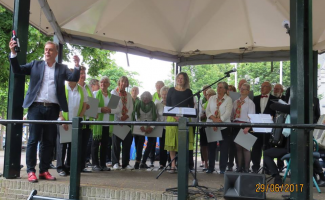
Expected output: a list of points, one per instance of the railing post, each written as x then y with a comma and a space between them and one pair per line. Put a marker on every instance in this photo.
75, 158
182, 158
16, 93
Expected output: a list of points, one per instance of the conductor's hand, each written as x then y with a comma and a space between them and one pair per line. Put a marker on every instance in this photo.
76, 60
12, 45
65, 127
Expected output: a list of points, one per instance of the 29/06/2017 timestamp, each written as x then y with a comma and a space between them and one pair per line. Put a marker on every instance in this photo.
279, 188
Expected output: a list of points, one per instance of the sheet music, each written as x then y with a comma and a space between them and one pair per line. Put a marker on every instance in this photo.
213, 136
137, 130
180, 111
65, 136
93, 110
259, 119
156, 132
113, 101
245, 140
121, 131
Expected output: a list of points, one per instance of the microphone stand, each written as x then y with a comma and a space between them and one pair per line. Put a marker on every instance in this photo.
195, 181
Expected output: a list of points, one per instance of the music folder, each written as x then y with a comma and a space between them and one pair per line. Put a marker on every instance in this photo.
180, 112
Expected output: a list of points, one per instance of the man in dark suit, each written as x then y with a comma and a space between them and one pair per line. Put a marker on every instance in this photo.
278, 91
44, 99
262, 106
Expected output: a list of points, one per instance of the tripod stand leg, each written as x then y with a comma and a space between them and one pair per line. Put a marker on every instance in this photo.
169, 165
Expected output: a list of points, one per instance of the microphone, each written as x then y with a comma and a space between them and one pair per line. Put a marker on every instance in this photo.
231, 71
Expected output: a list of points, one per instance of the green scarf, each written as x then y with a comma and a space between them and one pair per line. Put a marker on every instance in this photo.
81, 92
90, 94
97, 129
155, 97
135, 102
146, 108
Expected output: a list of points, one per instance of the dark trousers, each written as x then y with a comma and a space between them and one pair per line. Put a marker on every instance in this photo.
126, 146
269, 156
62, 149
103, 148
162, 151
109, 150
232, 148
152, 154
138, 143
151, 143
262, 138
86, 134
45, 133
224, 145
88, 151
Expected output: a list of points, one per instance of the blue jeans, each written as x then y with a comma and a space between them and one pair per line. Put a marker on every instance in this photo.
46, 133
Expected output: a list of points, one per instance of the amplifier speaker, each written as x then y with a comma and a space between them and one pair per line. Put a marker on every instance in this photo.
243, 186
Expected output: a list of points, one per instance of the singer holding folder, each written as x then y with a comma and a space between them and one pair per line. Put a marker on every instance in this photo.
176, 95
242, 107
219, 109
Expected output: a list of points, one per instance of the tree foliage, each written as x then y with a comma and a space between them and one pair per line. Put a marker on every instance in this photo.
254, 73
98, 60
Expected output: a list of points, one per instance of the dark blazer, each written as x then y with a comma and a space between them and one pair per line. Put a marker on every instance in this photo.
36, 71
267, 110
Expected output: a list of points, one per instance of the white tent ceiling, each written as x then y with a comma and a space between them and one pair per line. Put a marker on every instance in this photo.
176, 29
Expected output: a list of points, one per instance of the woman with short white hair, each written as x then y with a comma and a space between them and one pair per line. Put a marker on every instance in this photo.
144, 111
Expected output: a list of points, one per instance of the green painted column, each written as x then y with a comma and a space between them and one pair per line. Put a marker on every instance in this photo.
301, 57
182, 159
16, 94
75, 158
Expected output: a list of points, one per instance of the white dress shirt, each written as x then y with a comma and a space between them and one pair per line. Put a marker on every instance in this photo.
225, 109
263, 102
47, 92
118, 111
247, 108
74, 101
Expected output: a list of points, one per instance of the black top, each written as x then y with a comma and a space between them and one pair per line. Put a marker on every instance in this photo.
174, 97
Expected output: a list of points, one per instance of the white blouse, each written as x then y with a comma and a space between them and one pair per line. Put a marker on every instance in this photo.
247, 108
118, 111
225, 109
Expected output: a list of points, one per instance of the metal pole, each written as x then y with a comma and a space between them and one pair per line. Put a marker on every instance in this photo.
281, 69
59, 58
182, 159
16, 93
301, 58
75, 158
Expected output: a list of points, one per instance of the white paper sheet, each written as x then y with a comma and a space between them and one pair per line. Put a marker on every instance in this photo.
261, 118
156, 132
121, 131
245, 140
137, 130
65, 136
213, 136
93, 110
113, 101
180, 111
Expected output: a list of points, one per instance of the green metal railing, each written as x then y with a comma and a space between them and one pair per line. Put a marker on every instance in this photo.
183, 157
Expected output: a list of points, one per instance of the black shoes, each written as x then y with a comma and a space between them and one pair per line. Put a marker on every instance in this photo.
136, 165
143, 166
209, 171
96, 168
